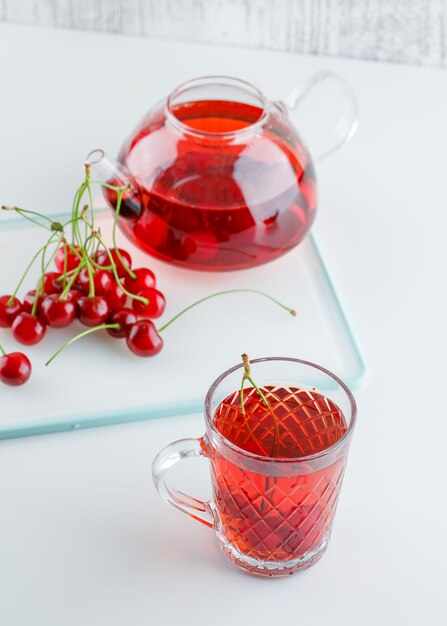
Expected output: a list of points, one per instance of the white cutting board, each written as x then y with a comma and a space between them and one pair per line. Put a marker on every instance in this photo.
98, 381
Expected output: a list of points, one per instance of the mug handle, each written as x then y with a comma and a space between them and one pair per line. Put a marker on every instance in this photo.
346, 125
166, 458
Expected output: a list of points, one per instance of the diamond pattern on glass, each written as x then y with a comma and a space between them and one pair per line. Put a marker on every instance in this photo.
308, 422
281, 517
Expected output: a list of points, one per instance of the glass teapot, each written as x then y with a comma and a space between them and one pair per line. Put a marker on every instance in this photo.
219, 178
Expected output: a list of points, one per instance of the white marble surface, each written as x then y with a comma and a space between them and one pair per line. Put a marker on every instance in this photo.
84, 539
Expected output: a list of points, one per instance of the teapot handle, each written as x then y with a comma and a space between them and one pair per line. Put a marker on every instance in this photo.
346, 125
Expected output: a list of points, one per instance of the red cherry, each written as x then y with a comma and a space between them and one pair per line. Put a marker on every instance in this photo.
68, 252
115, 296
184, 248
51, 284
15, 369
145, 279
56, 312
152, 231
102, 280
92, 311
82, 280
104, 261
28, 302
8, 312
143, 339
28, 329
73, 295
125, 317
154, 308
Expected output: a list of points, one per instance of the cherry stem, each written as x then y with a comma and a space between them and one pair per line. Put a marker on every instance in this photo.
90, 196
70, 221
91, 291
120, 192
88, 238
2, 351
103, 184
70, 283
38, 253
74, 217
115, 222
26, 214
247, 376
83, 334
222, 293
65, 268
95, 254
44, 267
145, 301
76, 233
247, 425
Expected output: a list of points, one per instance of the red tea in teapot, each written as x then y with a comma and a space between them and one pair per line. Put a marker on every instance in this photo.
219, 178
223, 185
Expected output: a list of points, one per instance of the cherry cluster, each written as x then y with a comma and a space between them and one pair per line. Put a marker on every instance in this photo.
91, 282
54, 305
108, 294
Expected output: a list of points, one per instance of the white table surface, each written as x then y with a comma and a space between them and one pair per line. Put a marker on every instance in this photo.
84, 538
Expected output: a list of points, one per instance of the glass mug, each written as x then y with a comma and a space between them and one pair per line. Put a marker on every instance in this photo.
272, 516
219, 178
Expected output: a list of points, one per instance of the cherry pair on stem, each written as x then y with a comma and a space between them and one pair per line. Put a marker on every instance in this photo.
142, 337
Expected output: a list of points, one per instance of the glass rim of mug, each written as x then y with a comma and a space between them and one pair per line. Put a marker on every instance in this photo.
216, 81
300, 459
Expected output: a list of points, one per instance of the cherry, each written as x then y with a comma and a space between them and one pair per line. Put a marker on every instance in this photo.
28, 302
56, 312
92, 310
51, 284
125, 317
15, 368
182, 249
153, 231
143, 339
104, 261
115, 296
154, 308
67, 252
8, 312
145, 279
102, 281
83, 281
73, 295
28, 329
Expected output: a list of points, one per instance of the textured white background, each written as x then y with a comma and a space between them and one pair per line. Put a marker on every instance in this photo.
406, 31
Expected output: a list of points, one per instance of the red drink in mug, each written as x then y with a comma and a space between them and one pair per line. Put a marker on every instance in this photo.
277, 450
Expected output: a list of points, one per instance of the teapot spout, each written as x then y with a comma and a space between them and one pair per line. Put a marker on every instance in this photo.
107, 170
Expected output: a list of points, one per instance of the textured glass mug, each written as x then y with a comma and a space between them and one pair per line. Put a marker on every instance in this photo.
272, 516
